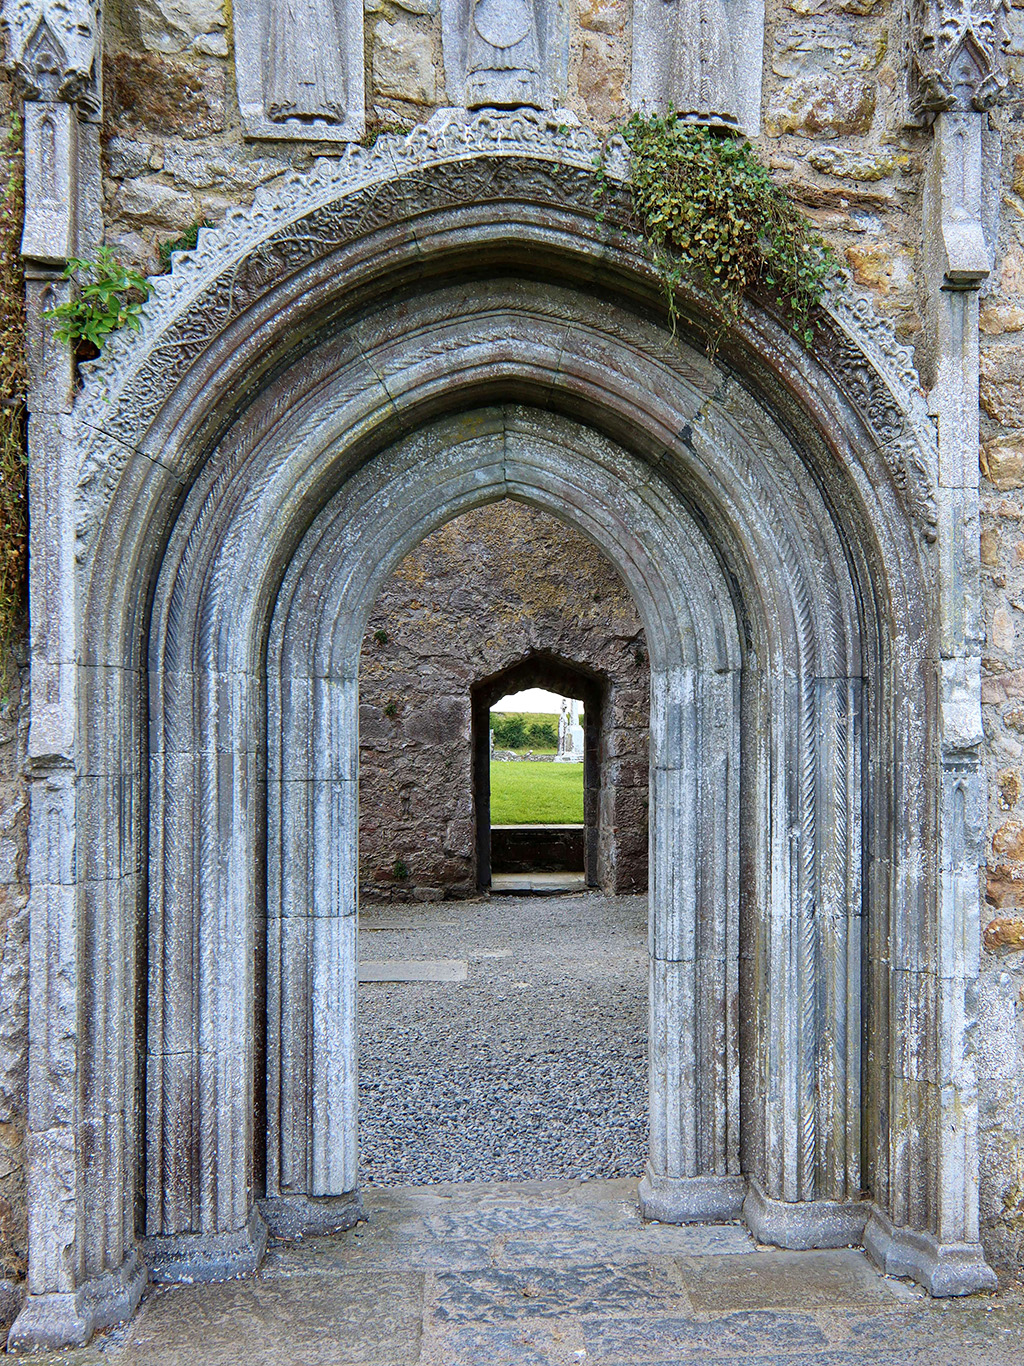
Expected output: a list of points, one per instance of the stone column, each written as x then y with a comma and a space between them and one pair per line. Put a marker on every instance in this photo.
931, 1231
76, 1282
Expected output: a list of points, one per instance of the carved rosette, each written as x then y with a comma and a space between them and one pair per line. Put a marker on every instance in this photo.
52, 49
957, 54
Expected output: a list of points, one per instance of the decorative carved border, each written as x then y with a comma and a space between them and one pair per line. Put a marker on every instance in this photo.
303, 217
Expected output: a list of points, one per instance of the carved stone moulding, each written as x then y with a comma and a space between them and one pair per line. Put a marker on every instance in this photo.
942, 1268
52, 49
957, 48
700, 59
299, 68
207, 1257
70, 1319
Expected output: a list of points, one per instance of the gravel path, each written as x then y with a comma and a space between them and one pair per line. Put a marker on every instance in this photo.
532, 1068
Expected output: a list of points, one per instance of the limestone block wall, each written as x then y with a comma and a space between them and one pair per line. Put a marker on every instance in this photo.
1002, 570
481, 594
833, 116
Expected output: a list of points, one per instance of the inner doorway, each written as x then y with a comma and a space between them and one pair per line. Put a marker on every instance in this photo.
529, 852
537, 793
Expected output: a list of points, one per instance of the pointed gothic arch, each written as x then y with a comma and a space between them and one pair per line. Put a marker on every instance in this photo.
407, 333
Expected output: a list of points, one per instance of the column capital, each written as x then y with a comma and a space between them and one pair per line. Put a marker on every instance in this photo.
53, 50
957, 51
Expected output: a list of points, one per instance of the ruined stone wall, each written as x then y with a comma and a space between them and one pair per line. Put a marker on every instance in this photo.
475, 597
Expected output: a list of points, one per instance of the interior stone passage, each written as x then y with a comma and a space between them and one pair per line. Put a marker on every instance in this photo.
500, 590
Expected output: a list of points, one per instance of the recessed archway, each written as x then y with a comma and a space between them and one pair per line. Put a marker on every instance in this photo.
329, 380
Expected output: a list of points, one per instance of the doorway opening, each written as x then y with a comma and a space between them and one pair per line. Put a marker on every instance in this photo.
537, 815
502, 1038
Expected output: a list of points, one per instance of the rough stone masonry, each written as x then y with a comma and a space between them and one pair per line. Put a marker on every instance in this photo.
401, 234
486, 592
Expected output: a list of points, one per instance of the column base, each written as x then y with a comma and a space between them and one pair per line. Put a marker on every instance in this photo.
801, 1224
311, 1216
944, 1269
188, 1258
690, 1199
55, 1321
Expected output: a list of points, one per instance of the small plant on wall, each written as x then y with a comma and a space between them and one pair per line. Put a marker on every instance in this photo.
110, 296
714, 217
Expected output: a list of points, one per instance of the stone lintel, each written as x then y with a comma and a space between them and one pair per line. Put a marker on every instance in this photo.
690, 1199
944, 1269
801, 1224
53, 1322
310, 1216
188, 1258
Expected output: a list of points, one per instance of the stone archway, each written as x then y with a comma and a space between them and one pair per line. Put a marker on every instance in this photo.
407, 333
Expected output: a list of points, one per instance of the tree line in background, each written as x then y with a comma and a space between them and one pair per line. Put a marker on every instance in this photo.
515, 731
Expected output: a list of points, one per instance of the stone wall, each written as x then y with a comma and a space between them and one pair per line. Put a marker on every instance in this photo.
13, 972
833, 118
1002, 570
834, 130
481, 594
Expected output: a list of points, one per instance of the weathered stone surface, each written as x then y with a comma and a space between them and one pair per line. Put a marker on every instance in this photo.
229, 170
170, 26
13, 980
1008, 840
126, 158
851, 165
1007, 687
601, 76
831, 106
1002, 461
997, 317
1002, 384
1004, 886
824, 87
155, 202
1003, 630
603, 16
1009, 783
162, 95
1005, 932
882, 266
403, 62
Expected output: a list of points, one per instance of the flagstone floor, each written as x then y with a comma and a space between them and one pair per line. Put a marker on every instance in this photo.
553, 1273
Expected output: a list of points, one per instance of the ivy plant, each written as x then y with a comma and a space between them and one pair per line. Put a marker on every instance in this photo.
110, 295
714, 216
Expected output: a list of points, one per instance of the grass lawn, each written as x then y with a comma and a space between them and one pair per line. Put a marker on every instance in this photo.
536, 794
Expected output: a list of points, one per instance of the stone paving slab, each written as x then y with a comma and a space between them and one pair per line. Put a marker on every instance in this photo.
776, 1280
541, 1291
414, 970
470, 1276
